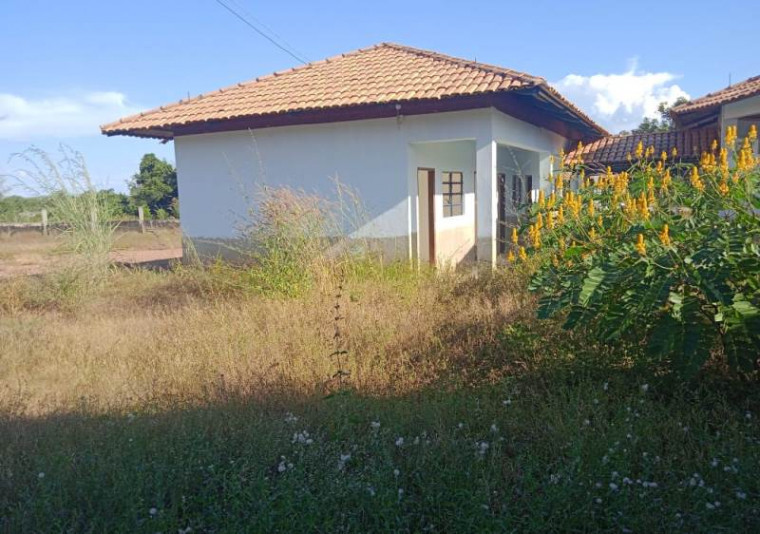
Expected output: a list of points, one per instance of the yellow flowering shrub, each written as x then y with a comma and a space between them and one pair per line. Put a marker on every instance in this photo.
663, 257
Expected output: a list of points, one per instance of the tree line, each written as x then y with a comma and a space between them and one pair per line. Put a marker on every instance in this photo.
153, 187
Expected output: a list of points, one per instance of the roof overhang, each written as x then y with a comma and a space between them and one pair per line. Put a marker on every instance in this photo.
537, 105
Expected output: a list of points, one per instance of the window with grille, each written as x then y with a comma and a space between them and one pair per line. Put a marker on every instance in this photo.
453, 193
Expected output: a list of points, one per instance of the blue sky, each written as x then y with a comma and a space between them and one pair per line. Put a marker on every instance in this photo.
70, 66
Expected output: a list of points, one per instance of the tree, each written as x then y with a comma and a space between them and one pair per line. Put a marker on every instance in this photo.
155, 185
665, 122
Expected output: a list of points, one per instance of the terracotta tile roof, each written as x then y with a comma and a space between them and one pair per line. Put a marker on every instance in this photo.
613, 150
745, 89
383, 73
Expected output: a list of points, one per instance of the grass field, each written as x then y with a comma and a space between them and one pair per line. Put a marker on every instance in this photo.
182, 401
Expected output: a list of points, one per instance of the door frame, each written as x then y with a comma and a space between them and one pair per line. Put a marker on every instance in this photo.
430, 203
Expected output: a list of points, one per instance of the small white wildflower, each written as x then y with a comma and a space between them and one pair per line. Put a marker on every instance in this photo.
598, 500
717, 504
460, 425
482, 448
371, 491
741, 495
735, 460
400, 493
606, 386
586, 422
613, 486
396, 472
615, 474
302, 437
375, 425
748, 415
282, 466
506, 402
598, 485
40, 475
342, 461
644, 388
714, 462
290, 418
605, 459
554, 479
399, 442
494, 428
153, 511
130, 417
710, 506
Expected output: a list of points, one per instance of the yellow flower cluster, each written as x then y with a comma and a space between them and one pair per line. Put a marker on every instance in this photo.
574, 203
723, 161
707, 161
643, 206
665, 235
746, 159
696, 180
731, 136
666, 181
641, 247
534, 233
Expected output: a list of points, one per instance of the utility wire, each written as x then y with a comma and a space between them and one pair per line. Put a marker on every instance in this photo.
241, 8
262, 33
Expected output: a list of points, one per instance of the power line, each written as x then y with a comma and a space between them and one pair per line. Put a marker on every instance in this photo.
241, 8
262, 33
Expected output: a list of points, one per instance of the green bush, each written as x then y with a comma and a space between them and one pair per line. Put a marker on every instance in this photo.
668, 266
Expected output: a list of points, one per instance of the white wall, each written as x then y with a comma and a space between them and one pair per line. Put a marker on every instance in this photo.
732, 115
455, 235
218, 172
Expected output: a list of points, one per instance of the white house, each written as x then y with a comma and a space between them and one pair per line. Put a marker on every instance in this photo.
439, 148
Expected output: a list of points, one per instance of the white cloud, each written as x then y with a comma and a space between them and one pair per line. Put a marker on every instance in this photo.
621, 101
60, 117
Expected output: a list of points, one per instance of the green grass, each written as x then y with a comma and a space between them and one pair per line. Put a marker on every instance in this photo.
557, 439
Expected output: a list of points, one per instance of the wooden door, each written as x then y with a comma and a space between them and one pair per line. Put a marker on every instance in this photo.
426, 215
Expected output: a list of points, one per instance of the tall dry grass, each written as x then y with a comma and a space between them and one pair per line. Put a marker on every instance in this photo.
154, 338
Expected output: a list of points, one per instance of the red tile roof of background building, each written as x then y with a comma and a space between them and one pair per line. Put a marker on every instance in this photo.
732, 93
613, 151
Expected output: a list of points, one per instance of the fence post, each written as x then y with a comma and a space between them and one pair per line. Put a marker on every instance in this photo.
141, 217
44, 222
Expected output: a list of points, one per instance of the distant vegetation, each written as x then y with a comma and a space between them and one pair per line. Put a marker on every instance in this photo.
154, 187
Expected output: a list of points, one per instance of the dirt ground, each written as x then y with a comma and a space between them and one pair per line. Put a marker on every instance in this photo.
29, 253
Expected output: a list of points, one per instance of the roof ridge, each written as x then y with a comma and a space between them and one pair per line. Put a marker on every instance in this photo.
466, 62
